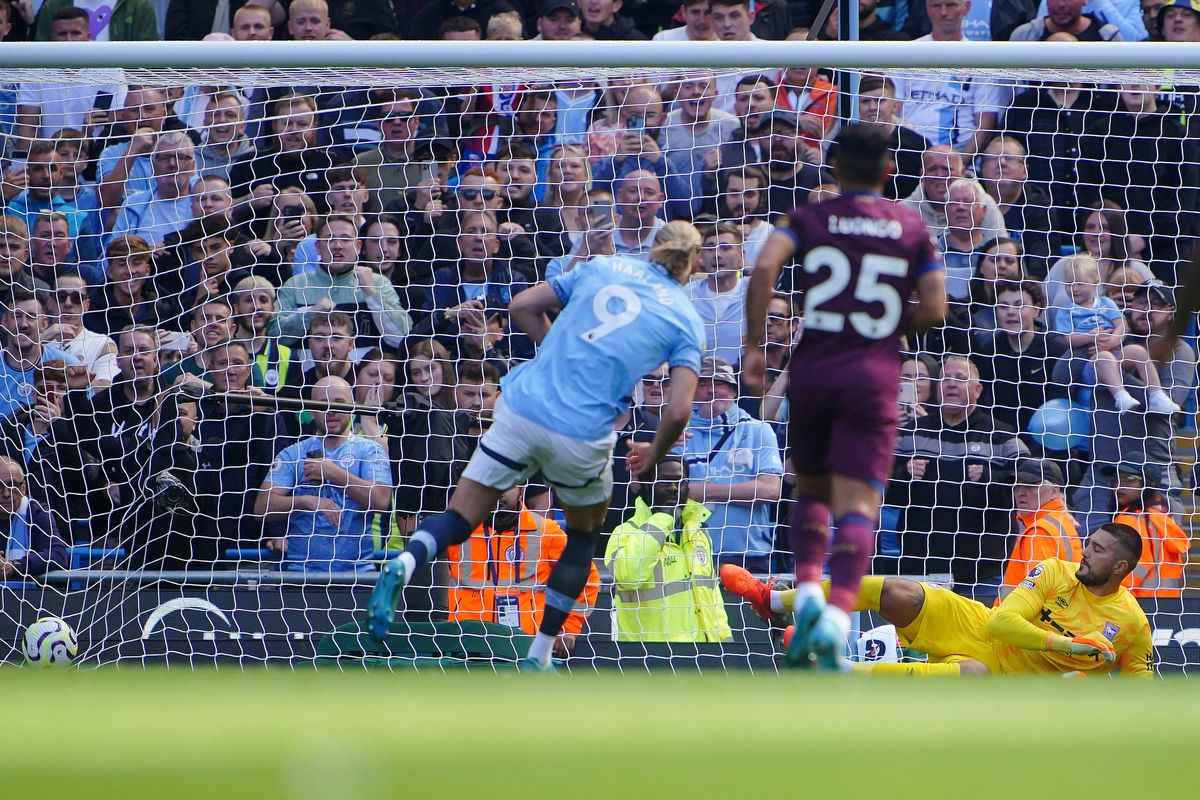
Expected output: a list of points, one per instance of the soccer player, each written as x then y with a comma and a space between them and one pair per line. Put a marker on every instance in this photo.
860, 258
1063, 618
621, 317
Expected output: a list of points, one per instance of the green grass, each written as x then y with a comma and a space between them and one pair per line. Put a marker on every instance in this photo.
177, 734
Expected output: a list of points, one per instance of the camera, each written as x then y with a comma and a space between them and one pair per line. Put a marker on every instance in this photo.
168, 492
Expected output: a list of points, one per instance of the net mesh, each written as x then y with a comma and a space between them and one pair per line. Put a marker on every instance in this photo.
172, 236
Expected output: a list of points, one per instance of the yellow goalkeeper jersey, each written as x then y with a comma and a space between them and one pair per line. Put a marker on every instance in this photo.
1053, 600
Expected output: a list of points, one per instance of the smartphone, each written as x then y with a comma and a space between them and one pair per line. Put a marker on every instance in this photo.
602, 214
289, 213
635, 122
908, 394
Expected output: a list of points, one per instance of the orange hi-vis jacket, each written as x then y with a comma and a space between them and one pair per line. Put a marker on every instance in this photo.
1049, 532
820, 100
500, 576
1164, 551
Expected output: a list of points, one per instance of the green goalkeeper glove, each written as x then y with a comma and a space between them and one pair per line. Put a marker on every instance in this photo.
1093, 644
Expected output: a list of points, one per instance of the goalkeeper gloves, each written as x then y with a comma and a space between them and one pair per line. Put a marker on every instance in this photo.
1093, 644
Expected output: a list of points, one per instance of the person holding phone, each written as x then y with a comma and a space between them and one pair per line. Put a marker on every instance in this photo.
597, 240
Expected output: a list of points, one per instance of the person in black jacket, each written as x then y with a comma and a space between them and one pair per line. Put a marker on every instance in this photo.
428, 21
28, 540
602, 22
195, 19
952, 482
1024, 204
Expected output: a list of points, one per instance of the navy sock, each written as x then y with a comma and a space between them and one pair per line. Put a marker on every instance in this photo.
435, 534
567, 579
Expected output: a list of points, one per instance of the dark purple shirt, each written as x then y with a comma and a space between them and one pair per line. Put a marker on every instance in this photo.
858, 258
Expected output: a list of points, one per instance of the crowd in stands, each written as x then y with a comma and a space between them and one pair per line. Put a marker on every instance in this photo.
162, 247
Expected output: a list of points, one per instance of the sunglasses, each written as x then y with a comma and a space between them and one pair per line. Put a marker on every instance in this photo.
69, 296
473, 194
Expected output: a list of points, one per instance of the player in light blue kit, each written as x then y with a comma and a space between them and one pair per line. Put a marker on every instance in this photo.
621, 318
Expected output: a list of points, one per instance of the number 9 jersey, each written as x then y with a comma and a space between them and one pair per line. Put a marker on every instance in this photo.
858, 258
622, 318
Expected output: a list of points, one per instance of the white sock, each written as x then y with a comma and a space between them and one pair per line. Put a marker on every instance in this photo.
776, 602
410, 565
838, 617
1158, 390
542, 648
805, 591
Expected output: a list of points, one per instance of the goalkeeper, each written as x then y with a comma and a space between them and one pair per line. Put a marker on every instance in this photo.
1062, 618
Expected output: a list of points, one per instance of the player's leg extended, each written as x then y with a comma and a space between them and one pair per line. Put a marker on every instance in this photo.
469, 506
808, 537
568, 578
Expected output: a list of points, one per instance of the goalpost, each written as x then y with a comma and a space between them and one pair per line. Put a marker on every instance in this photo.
365, 210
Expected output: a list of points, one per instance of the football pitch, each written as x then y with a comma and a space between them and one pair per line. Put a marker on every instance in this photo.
158, 733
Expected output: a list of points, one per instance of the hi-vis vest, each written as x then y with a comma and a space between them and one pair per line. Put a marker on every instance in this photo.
271, 366
500, 576
1164, 548
665, 581
1050, 532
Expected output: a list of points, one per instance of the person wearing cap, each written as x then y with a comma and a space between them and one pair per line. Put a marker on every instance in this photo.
1047, 528
1142, 506
1178, 21
559, 20
1150, 315
734, 469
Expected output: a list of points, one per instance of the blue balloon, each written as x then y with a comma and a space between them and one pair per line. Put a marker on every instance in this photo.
1061, 425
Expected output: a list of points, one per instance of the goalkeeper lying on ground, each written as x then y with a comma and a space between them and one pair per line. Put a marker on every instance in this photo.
1062, 618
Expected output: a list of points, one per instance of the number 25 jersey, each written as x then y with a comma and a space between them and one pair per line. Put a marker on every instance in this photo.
622, 317
858, 258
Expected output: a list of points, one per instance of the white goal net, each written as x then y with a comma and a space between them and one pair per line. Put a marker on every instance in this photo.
197, 262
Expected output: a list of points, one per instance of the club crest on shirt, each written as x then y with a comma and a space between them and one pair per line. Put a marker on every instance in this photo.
701, 557
347, 460
514, 553
1110, 631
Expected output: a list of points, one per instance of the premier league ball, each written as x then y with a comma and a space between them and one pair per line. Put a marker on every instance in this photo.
50, 642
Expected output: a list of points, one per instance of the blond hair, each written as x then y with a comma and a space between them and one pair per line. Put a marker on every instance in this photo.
675, 247
1081, 268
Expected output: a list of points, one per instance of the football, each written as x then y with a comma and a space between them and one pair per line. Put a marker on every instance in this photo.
50, 642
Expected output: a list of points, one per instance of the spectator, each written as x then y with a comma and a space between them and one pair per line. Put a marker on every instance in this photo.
596, 239
21, 324
1094, 325
719, 296
734, 468
506, 27
224, 140
289, 156
14, 254
325, 487
50, 248
950, 482
1066, 16
127, 296
461, 29
195, 19
330, 348
559, 20
1017, 360
497, 573
32, 545
697, 24
66, 306
308, 21
1106, 238
639, 199
877, 103
520, 185
339, 282
272, 366
210, 324
941, 166
638, 424
348, 194
872, 27
1151, 11
916, 389
962, 236
743, 200
631, 139
753, 101
1047, 528
663, 565
125, 166
694, 130
602, 22
45, 109
813, 98
41, 182
1142, 506
428, 21
73, 161
289, 233
133, 21
569, 180
1112, 167
392, 168
793, 164
784, 325
951, 111
1025, 205
1150, 315
256, 23
999, 259
165, 208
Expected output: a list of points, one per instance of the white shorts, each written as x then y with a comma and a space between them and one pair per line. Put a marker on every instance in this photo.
513, 449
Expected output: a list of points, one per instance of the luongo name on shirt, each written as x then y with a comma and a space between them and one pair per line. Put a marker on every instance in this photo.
866, 226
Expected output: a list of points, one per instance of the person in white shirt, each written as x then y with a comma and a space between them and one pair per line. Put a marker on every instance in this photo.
697, 24
720, 297
695, 128
731, 23
65, 306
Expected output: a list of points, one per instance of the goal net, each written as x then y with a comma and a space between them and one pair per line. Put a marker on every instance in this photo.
255, 321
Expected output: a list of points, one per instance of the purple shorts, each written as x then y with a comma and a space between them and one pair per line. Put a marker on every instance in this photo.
843, 431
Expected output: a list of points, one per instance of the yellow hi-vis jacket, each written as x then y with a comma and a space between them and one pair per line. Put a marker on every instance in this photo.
665, 580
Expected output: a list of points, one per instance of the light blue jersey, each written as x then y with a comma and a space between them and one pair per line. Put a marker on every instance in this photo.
623, 317
16, 385
314, 543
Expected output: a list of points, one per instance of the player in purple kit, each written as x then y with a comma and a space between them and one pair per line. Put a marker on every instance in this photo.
860, 261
